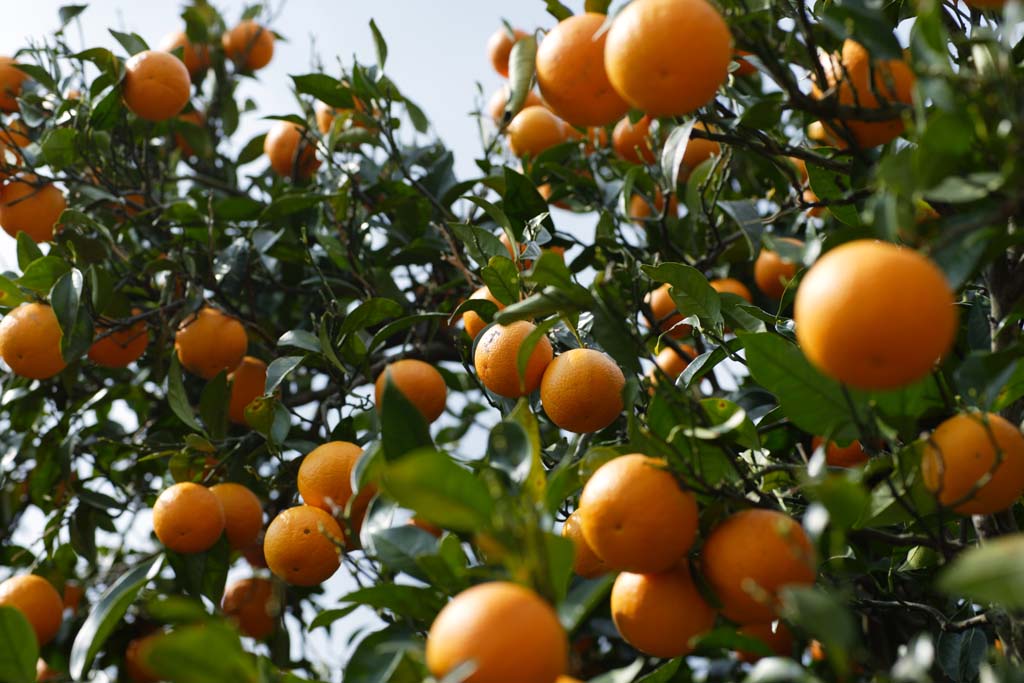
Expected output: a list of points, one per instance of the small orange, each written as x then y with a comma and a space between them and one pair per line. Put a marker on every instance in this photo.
325, 481
325, 114
188, 518
30, 341
730, 285
249, 45
698, 150
38, 600
196, 58
746, 68
582, 390
659, 614
247, 383
632, 141
777, 637
635, 517
842, 456
136, 654
496, 359
585, 562
72, 595
471, 320
299, 545
420, 383
509, 631
31, 207
817, 651
243, 514
640, 208
120, 347
535, 129
252, 604
291, 155
499, 48
156, 85
963, 451
665, 313
11, 79
772, 272
672, 363
496, 105
209, 341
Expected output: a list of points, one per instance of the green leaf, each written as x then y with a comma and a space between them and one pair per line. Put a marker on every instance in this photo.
279, 369
820, 614
68, 12
674, 150
584, 597
58, 148
330, 91
509, 450
502, 277
203, 574
521, 66
598, 6
535, 480
177, 397
75, 322
176, 609
528, 345
480, 244
992, 573
42, 274
371, 312
691, 292
19, 651
300, 339
213, 405
960, 654
403, 427
28, 251
132, 42
207, 653
10, 293
558, 10
379, 44
421, 604
833, 186
329, 616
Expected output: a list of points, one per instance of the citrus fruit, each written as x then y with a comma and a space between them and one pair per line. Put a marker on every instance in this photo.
535, 129
851, 455
11, 79
209, 341
636, 518
640, 207
252, 605
499, 100
299, 545
776, 636
960, 459
698, 150
773, 272
136, 654
12, 141
120, 347
247, 383
730, 285
156, 85
249, 45
290, 154
672, 363
632, 141
30, 341
196, 58
746, 68
38, 600
471, 320
499, 47
420, 383
659, 614
496, 359
31, 207
861, 309
665, 313
188, 518
508, 631
243, 514
582, 390
585, 563
325, 481
668, 57
750, 556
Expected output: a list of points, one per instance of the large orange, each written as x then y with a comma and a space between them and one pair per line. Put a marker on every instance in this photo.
31, 207
471, 320
635, 516
30, 341
585, 562
571, 75
419, 382
851, 455
509, 631
249, 45
535, 129
325, 481
290, 154
196, 58
772, 272
668, 57
499, 100
496, 359
38, 600
188, 518
728, 285
776, 636
868, 84
874, 315
665, 313
698, 150
499, 47
119, 348
632, 141
156, 85
299, 545
136, 654
960, 463
243, 514
671, 363
252, 604
210, 341
659, 614
752, 555
582, 390
12, 141
247, 383
11, 79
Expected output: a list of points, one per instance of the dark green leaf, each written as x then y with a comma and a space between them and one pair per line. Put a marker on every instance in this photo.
403, 427
132, 42
279, 369
43, 273
992, 573
213, 406
207, 653
177, 397
379, 44
502, 277
18, 647
300, 339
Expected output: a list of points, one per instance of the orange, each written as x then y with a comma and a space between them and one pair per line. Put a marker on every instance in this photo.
867, 84
247, 383
665, 313
509, 631
11, 79
12, 141
473, 323
420, 383
30, 341
38, 600
325, 481
249, 45
325, 114
72, 595
632, 141
817, 132
773, 272
210, 341
874, 315
640, 208
119, 348
243, 514
817, 651
253, 554
659, 614
842, 456
251, 604
963, 452
750, 556
196, 58
496, 359
571, 72
499, 48
635, 517
156, 85
496, 105
191, 118
746, 68
778, 638
300, 545
668, 57
582, 390
535, 129
585, 562
672, 363
698, 150
135, 656
188, 518
730, 285
291, 155
31, 207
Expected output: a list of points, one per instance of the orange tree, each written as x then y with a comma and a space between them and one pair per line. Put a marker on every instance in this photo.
761, 423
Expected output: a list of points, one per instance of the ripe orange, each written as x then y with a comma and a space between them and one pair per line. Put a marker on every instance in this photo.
571, 72
325, 481
30, 341
496, 105
290, 154
188, 518
12, 141
842, 456
778, 638
243, 514
698, 150
31, 207
247, 383
818, 132
963, 451
249, 45
121, 347
582, 390
665, 313
136, 654
252, 604
509, 631
210, 341
672, 363
640, 208
750, 556
38, 600
659, 614
299, 545
730, 285
156, 85
635, 517
861, 311
535, 129
190, 118
11, 79
473, 323
585, 562
419, 382
72, 595
325, 114
746, 68
867, 84
496, 361
632, 141
773, 272
668, 57
499, 48
196, 58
